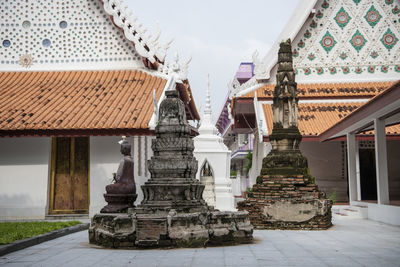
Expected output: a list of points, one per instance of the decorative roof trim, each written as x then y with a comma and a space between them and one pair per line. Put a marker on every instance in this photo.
263, 67
147, 46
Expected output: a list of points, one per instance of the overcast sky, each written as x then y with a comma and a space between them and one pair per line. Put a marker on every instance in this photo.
217, 34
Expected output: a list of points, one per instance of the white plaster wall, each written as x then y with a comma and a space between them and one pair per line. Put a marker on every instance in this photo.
236, 191
325, 164
260, 150
381, 213
384, 213
24, 177
105, 156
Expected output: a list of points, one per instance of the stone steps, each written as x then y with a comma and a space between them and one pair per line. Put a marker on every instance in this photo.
351, 212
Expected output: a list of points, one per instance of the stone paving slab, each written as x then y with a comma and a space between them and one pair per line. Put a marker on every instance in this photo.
351, 242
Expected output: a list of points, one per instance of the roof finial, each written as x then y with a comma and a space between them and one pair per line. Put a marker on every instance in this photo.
207, 127
207, 109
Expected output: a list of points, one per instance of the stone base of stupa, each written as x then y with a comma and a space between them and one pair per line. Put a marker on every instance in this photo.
287, 202
196, 229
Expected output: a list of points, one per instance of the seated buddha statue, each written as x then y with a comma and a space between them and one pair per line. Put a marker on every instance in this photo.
121, 195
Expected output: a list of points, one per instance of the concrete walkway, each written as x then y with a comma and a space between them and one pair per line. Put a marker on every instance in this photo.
351, 242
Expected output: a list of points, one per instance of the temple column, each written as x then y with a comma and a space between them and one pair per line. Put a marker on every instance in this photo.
382, 183
358, 172
351, 163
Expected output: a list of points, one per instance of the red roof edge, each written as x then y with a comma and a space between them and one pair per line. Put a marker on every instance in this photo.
367, 108
75, 132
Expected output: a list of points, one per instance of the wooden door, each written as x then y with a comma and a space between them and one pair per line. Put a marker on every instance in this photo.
70, 175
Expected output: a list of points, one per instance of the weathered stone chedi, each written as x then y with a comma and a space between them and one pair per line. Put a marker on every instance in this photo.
285, 195
173, 212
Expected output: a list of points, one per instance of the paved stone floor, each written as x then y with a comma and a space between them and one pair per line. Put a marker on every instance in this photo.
351, 242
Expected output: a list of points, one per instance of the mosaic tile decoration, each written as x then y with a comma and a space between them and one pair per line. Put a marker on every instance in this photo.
350, 36
73, 32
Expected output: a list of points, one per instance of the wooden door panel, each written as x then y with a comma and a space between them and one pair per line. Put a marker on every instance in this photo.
62, 181
80, 182
70, 175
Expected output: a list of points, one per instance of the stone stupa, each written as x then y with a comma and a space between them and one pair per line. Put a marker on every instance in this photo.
285, 195
173, 212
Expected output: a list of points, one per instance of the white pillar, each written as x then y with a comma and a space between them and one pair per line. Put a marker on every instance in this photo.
358, 172
382, 183
351, 163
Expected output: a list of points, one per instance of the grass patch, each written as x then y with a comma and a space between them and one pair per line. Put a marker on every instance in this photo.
12, 231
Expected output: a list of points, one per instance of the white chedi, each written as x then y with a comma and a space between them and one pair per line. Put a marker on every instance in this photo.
210, 149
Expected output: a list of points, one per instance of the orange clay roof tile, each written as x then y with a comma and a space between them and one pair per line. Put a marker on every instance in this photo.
68, 100
314, 118
320, 90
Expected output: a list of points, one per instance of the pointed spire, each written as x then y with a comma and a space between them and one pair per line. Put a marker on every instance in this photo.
207, 109
207, 126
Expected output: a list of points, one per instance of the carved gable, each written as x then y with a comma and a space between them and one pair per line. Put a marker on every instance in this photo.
62, 35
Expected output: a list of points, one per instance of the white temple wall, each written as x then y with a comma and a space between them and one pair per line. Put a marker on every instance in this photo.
260, 150
327, 166
236, 191
105, 156
24, 176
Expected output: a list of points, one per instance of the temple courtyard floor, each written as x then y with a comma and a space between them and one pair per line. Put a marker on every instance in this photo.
350, 242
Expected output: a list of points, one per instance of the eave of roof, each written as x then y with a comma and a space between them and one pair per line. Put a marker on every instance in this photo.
77, 102
325, 90
315, 118
386, 99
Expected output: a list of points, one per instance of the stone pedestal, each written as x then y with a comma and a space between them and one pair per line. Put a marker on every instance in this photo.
287, 202
118, 203
173, 211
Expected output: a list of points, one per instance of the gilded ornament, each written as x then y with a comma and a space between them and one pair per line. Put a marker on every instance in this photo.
26, 60
371, 69
327, 42
372, 16
374, 54
389, 39
358, 41
346, 70
343, 55
342, 18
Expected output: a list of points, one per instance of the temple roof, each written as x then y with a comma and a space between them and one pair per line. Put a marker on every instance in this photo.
315, 118
81, 102
326, 90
